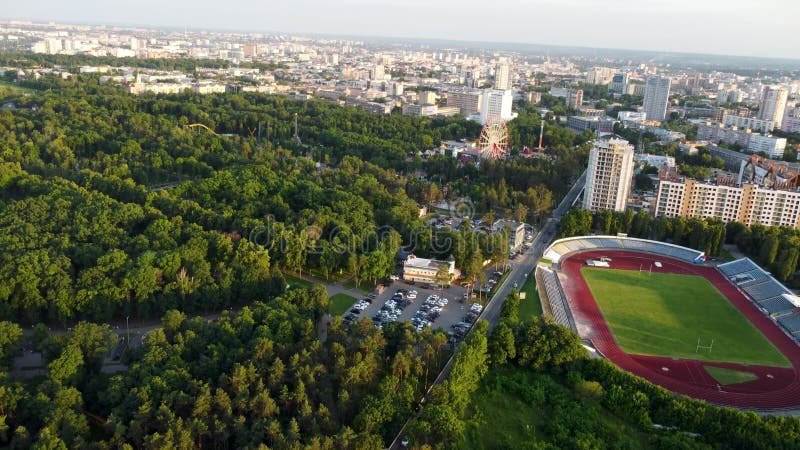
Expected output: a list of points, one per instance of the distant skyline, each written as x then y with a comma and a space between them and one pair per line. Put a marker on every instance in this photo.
725, 27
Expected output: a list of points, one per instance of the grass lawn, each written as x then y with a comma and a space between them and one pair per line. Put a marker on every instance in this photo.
531, 305
664, 314
728, 376
340, 303
365, 286
333, 277
295, 282
7, 88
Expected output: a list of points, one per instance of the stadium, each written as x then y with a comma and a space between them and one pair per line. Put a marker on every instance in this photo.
727, 334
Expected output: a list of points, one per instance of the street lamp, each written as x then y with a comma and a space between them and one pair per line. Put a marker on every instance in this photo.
127, 329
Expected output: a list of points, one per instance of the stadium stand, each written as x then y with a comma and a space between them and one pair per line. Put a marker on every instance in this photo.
776, 305
791, 322
566, 246
750, 278
765, 290
736, 267
555, 298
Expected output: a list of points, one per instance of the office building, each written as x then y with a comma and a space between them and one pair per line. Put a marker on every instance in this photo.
656, 97
773, 104
609, 175
467, 100
599, 124
516, 232
424, 270
496, 103
502, 76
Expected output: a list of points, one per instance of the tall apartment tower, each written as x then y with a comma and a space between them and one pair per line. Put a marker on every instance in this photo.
502, 76
656, 97
378, 72
496, 103
609, 175
773, 104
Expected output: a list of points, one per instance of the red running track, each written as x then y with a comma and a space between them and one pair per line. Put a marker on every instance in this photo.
775, 388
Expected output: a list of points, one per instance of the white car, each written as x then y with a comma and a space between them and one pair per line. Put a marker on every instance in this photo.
394, 277
411, 296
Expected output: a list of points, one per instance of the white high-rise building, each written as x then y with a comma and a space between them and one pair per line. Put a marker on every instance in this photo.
502, 76
378, 72
609, 175
496, 103
773, 104
656, 97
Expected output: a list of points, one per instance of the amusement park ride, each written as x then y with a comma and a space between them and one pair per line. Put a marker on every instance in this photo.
493, 141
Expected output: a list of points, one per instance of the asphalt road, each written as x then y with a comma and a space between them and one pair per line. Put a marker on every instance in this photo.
524, 264
520, 268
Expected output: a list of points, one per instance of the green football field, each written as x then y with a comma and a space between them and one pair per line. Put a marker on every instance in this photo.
664, 314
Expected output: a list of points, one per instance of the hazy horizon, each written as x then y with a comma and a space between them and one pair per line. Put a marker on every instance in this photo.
679, 26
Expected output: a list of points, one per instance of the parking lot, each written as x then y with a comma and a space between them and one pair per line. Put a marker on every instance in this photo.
412, 305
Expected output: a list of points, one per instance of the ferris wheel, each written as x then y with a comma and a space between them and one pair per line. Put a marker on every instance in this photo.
493, 142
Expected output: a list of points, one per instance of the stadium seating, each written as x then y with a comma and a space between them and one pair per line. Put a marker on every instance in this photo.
791, 322
765, 290
684, 254
736, 267
776, 305
571, 245
754, 277
557, 300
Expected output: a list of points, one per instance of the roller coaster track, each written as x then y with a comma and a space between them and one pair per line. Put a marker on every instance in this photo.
196, 125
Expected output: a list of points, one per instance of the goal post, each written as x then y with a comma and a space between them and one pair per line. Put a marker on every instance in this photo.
700, 346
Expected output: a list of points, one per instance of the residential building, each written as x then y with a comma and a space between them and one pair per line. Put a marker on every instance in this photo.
716, 132
502, 76
467, 100
747, 203
420, 110
656, 97
424, 270
496, 103
426, 97
619, 83
760, 125
773, 104
533, 97
609, 175
599, 75
574, 98
378, 72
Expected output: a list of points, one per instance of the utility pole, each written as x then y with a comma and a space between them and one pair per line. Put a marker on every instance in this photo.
296, 132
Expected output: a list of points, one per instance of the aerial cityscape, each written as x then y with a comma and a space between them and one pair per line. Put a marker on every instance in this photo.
350, 225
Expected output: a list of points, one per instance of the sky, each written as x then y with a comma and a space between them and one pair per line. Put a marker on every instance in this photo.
727, 27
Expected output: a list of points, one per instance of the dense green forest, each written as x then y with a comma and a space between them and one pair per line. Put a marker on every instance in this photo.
110, 208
